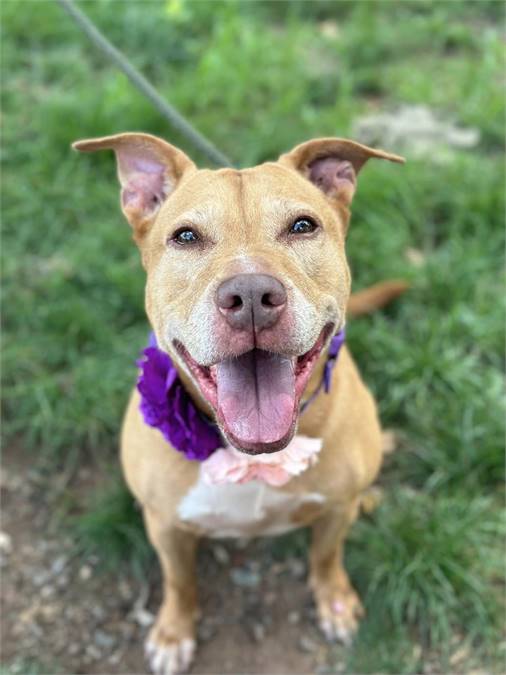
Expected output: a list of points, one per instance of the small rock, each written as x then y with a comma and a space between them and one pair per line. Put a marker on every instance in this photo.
92, 653
258, 631
143, 617
323, 669
59, 565
103, 639
221, 554
70, 612
115, 658
242, 576
125, 590
98, 612
49, 611
85, 572
297, 568
47, 591
293, 617
74, 648
307, 645
62, 581
27, 550
5, 543
40, 578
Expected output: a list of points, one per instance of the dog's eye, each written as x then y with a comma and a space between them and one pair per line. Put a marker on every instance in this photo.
185, 236
303, 226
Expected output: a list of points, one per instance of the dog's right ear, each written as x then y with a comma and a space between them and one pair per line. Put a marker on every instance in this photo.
149, 169
333, 164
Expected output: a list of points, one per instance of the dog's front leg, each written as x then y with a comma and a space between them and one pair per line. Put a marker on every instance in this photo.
171, 642
337, 603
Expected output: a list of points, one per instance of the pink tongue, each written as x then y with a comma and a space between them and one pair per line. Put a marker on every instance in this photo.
256, 396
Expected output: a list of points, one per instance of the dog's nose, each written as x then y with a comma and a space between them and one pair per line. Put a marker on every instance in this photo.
251, 301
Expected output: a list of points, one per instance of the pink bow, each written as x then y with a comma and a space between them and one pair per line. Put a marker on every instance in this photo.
228, 465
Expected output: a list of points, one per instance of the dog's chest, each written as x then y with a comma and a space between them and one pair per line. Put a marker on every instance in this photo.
247, 509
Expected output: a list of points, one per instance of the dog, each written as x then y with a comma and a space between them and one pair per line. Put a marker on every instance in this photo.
247, 287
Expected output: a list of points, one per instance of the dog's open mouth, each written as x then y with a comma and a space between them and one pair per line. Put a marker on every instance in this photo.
256, 395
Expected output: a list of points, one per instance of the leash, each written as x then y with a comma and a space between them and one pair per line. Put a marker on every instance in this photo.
178, 122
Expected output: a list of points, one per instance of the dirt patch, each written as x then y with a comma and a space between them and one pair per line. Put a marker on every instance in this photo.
66, 614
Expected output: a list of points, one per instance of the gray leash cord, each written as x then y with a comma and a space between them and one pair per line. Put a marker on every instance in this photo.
146, 88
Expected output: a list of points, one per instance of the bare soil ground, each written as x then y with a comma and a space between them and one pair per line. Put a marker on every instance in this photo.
66, 614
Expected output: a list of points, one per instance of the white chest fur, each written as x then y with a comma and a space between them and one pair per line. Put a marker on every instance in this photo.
241, 510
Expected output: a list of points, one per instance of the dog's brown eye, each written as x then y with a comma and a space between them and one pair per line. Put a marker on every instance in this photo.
185, 236
303, 226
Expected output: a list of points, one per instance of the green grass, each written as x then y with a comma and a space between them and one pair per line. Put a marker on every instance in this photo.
28, 667
113, 526
432, 564
258, 78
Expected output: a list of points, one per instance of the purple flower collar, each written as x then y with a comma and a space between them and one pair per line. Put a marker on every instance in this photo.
166, 405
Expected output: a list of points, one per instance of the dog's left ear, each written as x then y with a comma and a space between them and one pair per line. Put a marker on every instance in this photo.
332, 164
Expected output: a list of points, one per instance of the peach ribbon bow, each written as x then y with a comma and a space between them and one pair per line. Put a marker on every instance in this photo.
228, 465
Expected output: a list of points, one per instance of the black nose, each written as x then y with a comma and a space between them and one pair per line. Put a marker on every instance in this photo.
251, 301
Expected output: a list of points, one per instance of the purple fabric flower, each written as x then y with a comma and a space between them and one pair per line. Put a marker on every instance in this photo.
334, 348
166, 405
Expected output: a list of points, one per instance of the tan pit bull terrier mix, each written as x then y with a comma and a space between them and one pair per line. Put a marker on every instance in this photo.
247, 282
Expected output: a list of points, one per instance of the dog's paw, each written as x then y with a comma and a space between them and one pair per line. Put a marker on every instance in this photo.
339, 616
169, 657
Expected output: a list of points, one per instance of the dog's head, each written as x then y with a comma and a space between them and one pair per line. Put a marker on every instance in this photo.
247, 278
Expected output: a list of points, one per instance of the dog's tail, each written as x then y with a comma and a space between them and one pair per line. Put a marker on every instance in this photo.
374, 297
